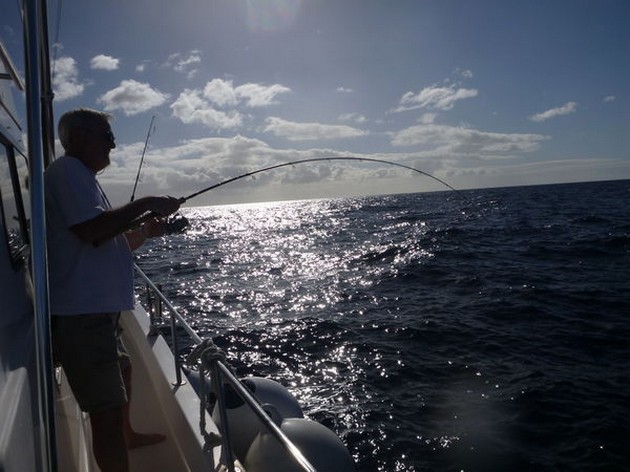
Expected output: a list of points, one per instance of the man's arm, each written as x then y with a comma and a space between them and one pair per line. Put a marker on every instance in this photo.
115, 221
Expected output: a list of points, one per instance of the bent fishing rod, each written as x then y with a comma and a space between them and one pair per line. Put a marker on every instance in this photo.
148, 215
315, 159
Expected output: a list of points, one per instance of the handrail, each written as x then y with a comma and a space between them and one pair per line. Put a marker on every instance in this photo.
226, 375
170, 306
264, 417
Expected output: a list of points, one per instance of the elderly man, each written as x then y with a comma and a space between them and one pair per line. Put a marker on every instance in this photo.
91, 280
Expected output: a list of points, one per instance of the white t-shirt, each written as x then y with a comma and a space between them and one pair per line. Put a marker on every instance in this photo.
82, 278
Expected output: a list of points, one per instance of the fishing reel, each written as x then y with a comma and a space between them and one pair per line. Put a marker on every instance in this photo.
176, 224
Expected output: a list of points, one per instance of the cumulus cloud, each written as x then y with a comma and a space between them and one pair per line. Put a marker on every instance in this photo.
435, 97
103, 62
217, 104
192, 107
190, 165
194, 164
565, 109
309, 131
459, 141
223, 93
132, 97
66, 79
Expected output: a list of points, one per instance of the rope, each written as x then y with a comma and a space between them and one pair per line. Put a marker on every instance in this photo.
206, 353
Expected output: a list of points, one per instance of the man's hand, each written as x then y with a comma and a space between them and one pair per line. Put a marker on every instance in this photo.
164, 206
154, 227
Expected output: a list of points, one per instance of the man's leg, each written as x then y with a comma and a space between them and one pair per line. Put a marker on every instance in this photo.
133, 438
108, 440
85, 345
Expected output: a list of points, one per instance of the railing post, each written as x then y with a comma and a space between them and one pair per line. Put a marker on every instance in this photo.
217, 382
178, 364
151, 308
158, 308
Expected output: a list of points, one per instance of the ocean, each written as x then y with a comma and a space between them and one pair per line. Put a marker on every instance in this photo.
483, 330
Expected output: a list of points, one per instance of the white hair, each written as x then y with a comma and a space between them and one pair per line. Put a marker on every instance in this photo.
76, 119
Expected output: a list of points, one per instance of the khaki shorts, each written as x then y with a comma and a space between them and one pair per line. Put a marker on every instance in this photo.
90, 350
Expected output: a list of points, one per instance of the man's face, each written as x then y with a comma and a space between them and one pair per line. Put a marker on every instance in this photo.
101, 141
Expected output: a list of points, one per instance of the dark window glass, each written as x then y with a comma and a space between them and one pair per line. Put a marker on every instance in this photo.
13, 192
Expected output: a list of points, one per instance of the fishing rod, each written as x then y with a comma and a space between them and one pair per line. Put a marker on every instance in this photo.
178, 225
316, 159
146, 142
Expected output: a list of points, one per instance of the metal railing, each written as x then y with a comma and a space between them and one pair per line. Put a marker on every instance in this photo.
220, 375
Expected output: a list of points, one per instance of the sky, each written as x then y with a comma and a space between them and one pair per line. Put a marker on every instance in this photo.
484, 93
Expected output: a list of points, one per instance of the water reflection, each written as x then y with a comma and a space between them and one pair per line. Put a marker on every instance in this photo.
288, 290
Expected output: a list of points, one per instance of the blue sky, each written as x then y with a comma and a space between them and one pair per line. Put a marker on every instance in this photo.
479, 93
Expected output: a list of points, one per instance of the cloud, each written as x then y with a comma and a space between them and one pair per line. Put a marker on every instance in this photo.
354, 117
142, 66
427, 118
216, 105
132, 97
223, 93
310, 131
194, 164
609, 98
344, 90
256, 95
565, 109
192, 107
458, 141
184, 63
103, 62
189, 165
193, 58
437, 98
66, 79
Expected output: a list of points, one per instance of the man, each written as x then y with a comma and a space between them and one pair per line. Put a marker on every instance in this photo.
91, 280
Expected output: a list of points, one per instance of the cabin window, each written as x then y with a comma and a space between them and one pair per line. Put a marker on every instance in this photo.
13, 192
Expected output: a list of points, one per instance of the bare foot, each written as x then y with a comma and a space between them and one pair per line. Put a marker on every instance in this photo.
135, 440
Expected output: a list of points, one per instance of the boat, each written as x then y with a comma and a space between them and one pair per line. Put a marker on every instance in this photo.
213, 421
